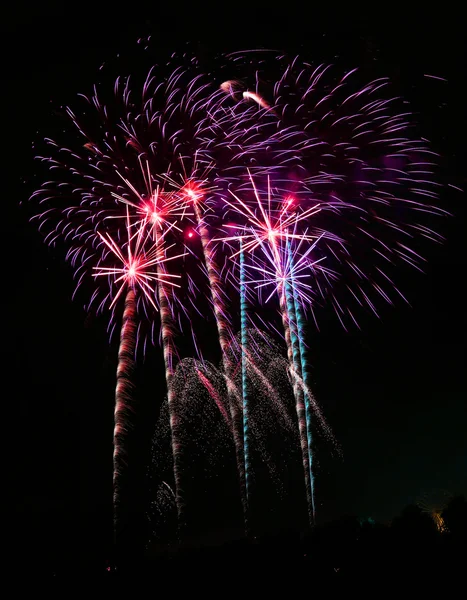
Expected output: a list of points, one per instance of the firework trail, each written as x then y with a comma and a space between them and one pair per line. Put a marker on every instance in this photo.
135, 272
244, 358
218, 295
158, 214
287, 308
269, 228
168, 346
284, 285
302, 364
123, 395
236, 140
224, 330
289, 270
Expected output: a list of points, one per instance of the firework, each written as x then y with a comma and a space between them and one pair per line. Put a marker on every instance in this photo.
224, 329
381, 179
269, 228
244, 354
328, 189
119, 153
287, 309
123, 396
302, 367
108, 199
134, 272
267, 220
236, 139
434, 503
207, 453
167, 333
352, 148
348, 158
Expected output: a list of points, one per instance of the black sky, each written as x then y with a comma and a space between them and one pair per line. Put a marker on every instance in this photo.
394, 392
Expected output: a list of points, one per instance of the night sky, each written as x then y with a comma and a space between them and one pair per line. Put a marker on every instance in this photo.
394, 392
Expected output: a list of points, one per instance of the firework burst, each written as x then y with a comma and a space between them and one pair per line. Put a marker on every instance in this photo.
136, 262
107, 202
326, 182
384, 180
353, 149
270, 227
270, 219
120, 152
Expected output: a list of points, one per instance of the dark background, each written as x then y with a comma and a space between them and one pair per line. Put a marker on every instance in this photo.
393, 392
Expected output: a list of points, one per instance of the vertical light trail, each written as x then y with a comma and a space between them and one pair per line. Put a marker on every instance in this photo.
244, 350
287, 310
293, 354
299, 320
123, 395
217, 293
168, 347
225, 339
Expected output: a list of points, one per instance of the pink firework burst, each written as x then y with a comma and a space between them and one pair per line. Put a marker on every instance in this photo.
136, 264
271, 218
160, 210
280, 266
